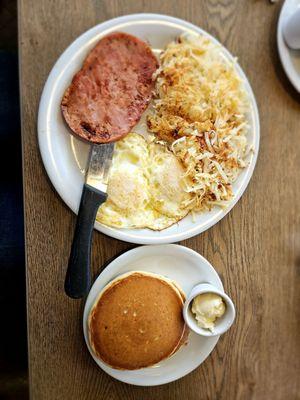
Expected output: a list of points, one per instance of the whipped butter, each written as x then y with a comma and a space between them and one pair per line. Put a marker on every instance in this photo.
207, 307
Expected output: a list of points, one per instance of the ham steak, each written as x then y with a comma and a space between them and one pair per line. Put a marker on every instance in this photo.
111, 91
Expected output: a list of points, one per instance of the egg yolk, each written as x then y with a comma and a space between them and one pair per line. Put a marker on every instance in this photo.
127, 190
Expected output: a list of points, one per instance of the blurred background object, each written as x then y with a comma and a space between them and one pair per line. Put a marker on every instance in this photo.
13, 352
288, 30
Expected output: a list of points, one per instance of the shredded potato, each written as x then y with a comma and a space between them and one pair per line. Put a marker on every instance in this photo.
200, 112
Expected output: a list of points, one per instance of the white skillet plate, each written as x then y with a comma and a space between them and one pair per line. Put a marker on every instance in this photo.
65, 156
290, 59
186, 267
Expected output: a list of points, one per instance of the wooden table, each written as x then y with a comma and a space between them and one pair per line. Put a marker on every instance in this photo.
255, 249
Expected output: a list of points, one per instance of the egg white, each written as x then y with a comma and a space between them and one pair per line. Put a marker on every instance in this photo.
145, 187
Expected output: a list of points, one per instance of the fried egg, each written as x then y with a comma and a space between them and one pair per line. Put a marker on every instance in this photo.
145, 187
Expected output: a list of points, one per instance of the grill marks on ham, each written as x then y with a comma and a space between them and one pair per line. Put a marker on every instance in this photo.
111, 91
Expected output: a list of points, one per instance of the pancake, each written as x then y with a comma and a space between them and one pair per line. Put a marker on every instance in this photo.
137, 321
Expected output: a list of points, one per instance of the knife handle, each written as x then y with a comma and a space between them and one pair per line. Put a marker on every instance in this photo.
78, 278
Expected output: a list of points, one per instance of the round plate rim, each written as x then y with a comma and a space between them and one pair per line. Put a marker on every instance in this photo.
109, 271
283, 49
130, 235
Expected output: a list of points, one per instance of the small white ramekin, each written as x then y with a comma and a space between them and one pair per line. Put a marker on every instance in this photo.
222, 324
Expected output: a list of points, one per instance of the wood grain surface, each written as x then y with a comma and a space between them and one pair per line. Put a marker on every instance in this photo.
255, 249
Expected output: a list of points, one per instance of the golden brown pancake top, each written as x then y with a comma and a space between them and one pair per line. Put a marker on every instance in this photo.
137, 322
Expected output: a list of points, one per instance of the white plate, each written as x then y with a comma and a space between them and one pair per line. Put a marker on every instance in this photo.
290, 59
65, 157
187, 268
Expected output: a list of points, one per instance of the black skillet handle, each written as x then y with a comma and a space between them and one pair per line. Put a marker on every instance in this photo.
78, 278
